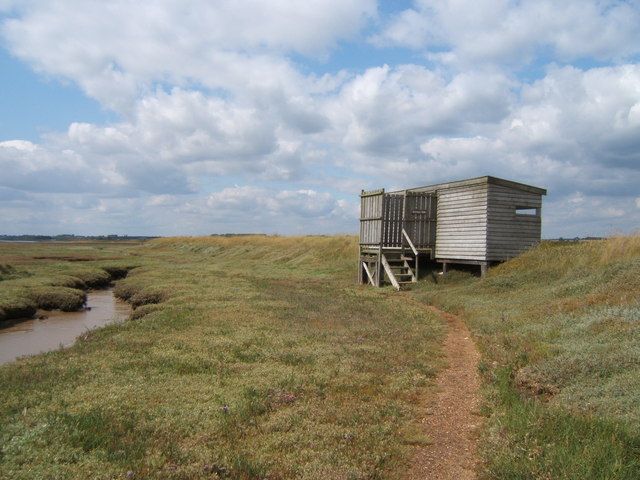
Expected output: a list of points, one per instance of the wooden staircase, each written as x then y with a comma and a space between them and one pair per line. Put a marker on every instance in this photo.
400, 264
398, 267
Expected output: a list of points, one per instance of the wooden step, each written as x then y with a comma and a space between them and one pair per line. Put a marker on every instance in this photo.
397, 269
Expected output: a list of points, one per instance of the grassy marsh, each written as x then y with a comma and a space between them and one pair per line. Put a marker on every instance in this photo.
249, 358
257, 357
559, 332
54, 276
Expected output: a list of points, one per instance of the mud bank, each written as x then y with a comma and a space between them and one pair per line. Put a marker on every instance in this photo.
59, 329
64, 292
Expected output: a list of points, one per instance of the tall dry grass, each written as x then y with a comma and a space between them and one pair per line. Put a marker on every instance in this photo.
621, 248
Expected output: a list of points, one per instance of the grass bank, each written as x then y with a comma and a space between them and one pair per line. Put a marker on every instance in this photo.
559, 331
249, 358
257, 357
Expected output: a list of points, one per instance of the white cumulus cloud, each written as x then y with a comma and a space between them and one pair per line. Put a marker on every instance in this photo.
467, 32
117, 50
231, 116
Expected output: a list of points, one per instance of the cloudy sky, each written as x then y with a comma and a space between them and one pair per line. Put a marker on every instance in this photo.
191, 117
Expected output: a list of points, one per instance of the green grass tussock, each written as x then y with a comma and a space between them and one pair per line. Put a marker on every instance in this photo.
559, 330
7, 271
16, 307
58, 298
137, 295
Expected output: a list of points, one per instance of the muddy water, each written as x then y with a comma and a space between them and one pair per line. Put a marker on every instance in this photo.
60, 328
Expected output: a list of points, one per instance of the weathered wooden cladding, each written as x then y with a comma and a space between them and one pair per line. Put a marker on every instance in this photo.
462, 222
371, 216
479, 220
508, 232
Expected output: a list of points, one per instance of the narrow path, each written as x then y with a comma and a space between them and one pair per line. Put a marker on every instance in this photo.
452, 423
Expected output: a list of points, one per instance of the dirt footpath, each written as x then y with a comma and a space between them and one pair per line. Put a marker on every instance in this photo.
452, 422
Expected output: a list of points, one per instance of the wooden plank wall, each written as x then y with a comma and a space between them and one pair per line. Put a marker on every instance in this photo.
509, 233
371, 204
461, 230
420, 219
383, 216
392, 220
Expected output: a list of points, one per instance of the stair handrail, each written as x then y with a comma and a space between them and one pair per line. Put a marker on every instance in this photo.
392, 277
406, 236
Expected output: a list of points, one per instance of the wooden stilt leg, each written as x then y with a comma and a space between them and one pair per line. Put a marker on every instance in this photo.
484, 268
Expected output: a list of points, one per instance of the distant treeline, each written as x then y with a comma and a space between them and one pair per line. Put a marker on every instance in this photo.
238, 235
68, 237
575, 239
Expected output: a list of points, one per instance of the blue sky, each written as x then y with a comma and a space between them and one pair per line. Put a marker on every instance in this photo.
35, 104
168, 117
